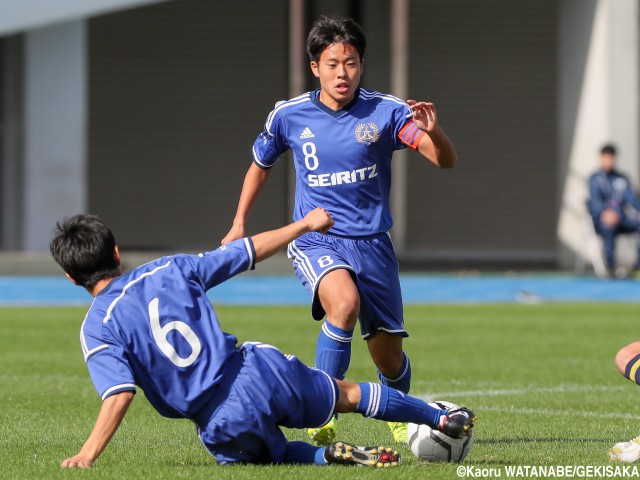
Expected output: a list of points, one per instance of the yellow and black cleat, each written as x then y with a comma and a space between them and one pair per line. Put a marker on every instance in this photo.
346, 454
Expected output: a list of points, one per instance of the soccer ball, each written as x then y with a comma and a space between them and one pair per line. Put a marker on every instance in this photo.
433, 445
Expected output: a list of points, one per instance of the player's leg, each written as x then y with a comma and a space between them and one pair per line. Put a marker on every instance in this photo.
331, 282
338, 296
381, 311
632, 225
297, 396
394, 368
382, 318
628, 363
608, 235
379, 401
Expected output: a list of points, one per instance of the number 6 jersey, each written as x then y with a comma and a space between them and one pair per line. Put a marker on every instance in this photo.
155, 328
342, 158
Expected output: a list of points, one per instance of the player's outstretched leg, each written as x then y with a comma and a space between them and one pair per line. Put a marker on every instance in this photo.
377, 401
348, 454
457, 423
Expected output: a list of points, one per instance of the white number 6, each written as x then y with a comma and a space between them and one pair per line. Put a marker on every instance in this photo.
160, 336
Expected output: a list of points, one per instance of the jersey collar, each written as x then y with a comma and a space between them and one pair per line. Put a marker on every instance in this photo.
334, 113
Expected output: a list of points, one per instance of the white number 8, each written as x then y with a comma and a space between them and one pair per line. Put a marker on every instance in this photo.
310, 159
160, 334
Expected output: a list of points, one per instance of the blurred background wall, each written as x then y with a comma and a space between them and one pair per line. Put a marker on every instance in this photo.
144, 112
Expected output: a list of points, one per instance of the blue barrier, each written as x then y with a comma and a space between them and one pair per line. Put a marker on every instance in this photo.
417, 289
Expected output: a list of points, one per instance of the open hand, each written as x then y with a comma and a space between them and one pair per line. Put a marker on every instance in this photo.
424, 115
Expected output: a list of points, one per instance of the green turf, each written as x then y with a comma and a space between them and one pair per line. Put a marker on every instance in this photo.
540, 378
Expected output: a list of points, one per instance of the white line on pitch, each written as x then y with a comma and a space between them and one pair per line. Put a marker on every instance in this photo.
523, 391
559, 413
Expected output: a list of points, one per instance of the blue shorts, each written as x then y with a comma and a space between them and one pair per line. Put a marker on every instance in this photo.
270, 390
373, 266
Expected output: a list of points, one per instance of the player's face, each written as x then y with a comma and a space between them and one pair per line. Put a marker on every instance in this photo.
607, 161
339, 69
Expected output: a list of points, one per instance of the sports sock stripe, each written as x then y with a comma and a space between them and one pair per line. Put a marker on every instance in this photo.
632, 369
374, 400
334, 336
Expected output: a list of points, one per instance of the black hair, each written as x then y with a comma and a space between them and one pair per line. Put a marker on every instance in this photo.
329, 30
84, 247
608, 149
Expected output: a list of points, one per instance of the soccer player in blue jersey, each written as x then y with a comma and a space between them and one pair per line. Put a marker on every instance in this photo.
342, 138
155, 328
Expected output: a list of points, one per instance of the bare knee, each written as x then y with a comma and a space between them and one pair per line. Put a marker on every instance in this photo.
340, 299
625, 355
343, 311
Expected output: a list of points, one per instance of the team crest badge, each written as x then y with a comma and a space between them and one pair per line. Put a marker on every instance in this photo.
367, 133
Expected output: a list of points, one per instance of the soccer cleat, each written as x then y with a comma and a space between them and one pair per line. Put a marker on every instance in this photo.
325, 434
399, 431
457, 423
628, 452
347, 454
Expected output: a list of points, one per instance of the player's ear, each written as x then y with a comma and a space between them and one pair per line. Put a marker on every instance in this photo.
116, 254
314, 68
69, 277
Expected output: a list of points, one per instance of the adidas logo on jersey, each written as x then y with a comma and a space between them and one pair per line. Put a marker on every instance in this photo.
306, 133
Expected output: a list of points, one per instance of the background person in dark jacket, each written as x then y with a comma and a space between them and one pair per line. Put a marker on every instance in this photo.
613, 204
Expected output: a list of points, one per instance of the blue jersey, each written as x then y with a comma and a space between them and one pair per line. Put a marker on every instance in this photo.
342, 158
155, 328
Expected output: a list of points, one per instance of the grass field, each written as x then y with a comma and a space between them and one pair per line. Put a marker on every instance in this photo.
540, 378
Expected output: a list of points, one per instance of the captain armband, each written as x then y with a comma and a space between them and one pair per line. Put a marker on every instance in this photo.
411, 135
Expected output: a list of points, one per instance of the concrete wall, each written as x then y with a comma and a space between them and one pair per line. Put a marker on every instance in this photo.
598, 103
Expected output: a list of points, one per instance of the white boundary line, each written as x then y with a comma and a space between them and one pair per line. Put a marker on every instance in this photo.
542, 411
524, 391
561, 413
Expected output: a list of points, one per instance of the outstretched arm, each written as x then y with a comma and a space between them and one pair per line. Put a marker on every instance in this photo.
435, 146
111, 414
268, 243
254, 180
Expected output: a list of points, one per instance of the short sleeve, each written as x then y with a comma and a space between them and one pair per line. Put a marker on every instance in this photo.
271, 143
217, 266
110, 371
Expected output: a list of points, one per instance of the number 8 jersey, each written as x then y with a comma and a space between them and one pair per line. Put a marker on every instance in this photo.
155, 328
342, 158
